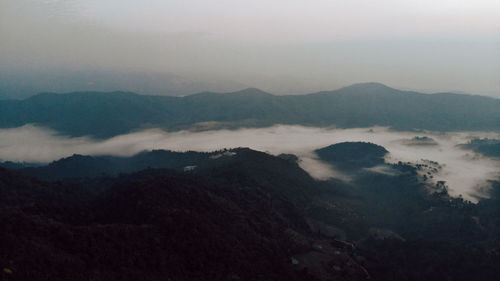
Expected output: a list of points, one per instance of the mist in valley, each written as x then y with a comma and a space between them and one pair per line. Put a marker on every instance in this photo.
465, 172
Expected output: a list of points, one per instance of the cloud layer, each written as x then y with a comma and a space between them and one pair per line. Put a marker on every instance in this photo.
464, 171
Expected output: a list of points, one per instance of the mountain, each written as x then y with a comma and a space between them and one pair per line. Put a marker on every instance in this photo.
241, 215
104, 115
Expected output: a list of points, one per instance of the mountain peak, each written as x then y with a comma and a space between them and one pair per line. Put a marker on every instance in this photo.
252, 92
370, 88
369, 85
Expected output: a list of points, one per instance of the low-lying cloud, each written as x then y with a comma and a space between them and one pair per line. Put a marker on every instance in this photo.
464, 171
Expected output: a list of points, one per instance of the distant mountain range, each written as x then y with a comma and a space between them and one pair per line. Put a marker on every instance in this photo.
17, 84
105, 115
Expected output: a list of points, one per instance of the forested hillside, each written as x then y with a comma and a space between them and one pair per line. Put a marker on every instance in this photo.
242, 215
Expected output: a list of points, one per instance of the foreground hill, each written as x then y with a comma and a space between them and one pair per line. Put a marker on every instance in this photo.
241, 215
362, 105
236, 220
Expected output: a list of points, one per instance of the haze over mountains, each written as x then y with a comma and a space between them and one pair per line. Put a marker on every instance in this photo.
19, 85
105, 115
194, 140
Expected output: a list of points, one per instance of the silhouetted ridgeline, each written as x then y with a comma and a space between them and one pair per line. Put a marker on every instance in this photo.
241, 215
80, 166
361, 105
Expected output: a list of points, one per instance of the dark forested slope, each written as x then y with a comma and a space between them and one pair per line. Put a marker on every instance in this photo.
233, 220
242, 215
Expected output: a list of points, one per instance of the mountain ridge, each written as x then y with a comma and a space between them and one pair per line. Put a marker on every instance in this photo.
103, 115
254, 90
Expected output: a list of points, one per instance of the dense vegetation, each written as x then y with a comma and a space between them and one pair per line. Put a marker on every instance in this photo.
353, 155
362, 105
241, 215
82, 166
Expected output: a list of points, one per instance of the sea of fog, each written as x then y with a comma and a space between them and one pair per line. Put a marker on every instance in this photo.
464, 171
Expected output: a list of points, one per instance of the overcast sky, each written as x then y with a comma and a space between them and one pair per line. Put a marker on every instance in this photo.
283, 46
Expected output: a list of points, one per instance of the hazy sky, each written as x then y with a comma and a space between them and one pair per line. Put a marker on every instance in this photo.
281, 46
